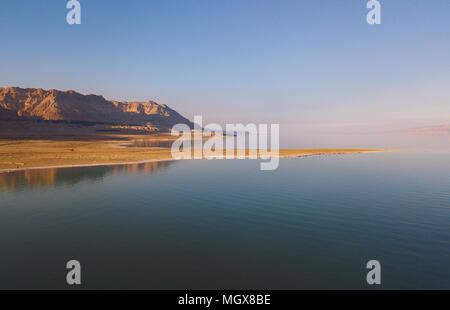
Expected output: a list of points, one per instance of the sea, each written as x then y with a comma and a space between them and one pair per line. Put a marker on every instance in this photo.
313, 223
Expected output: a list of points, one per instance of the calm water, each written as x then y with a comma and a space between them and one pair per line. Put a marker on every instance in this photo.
313, 223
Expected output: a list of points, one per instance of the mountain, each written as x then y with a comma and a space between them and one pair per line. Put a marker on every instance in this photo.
55, 105
439, 130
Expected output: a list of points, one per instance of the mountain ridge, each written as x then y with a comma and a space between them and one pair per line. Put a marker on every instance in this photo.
433, 130
71, 106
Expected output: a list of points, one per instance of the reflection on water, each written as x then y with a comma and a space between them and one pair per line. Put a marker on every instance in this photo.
152, 143
226, 140
70, 176
313, 223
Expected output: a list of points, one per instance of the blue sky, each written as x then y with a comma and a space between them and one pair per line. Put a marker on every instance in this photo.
310, 65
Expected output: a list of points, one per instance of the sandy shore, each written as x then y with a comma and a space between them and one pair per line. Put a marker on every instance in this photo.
16, 155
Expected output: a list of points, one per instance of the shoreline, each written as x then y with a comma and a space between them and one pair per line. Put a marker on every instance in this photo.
58, 151
308, 153
87, 165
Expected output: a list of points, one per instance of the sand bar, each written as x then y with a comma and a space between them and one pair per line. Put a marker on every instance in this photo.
18, 154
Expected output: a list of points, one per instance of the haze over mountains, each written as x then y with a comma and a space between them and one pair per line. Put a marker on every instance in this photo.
70, 106
439, 130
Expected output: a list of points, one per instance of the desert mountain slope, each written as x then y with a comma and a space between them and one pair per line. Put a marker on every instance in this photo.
55, 105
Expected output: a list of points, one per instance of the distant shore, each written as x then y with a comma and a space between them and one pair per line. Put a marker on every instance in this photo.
108, 150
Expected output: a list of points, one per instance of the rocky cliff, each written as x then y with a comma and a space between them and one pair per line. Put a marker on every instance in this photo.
55, 105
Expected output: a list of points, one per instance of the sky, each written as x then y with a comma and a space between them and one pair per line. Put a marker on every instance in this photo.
311, 66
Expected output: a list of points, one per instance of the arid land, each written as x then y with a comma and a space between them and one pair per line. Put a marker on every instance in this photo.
23, 147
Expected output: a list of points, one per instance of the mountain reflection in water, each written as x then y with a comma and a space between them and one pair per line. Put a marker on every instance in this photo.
53, 177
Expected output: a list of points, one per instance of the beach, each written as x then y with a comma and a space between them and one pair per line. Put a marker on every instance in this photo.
98, 150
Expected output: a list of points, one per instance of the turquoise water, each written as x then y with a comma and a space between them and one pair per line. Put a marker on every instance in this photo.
313, 223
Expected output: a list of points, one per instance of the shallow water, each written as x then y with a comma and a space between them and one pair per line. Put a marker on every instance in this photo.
224, 224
